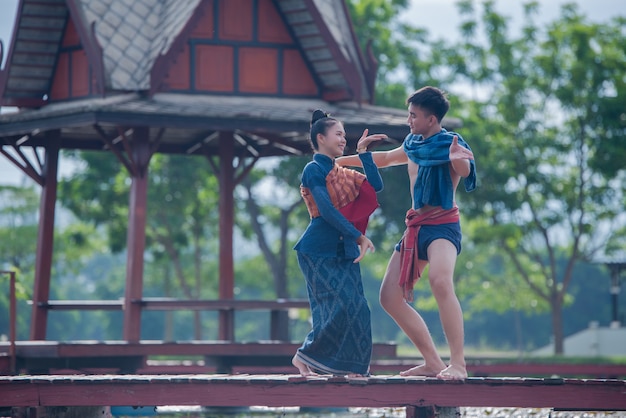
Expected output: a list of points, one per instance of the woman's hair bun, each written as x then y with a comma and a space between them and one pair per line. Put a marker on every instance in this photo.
317, 115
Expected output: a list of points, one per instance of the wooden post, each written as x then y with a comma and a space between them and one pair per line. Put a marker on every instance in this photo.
432, 412
226, 207
45, 238
136, 235
615, 268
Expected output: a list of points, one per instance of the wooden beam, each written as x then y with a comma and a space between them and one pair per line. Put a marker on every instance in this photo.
54, 349
313, 391
173, 304
200, 304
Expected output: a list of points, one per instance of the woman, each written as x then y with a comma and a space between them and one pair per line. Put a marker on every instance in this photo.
339, 201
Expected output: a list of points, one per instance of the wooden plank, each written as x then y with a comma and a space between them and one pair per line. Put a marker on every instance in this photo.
318, 391
83, 305
43, 349
56, 349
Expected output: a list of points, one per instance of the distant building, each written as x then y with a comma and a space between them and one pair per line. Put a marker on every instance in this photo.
595, 341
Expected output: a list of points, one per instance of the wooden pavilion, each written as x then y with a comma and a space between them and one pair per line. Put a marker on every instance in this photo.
231, 80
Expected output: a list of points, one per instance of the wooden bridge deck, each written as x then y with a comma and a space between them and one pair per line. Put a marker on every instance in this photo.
313, 391
58, 374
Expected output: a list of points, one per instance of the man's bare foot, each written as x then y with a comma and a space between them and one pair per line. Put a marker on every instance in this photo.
421, 370
453, 372
302, 368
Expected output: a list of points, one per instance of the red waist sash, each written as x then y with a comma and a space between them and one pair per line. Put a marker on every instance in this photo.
409, 271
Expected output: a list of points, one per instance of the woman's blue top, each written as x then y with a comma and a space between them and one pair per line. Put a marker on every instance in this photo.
331, 234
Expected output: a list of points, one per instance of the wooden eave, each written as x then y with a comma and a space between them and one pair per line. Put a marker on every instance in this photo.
90, 44
340, 78
351, 72
265, 126
37, 35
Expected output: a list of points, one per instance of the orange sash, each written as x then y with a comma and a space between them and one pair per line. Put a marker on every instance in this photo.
349, 192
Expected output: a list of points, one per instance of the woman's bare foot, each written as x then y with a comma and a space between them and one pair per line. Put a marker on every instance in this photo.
421, 370
302, 368
453, 372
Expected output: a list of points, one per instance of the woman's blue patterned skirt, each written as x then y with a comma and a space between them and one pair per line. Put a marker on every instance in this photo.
341, 339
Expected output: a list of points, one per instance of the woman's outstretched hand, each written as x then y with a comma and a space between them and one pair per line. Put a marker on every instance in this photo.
364, 244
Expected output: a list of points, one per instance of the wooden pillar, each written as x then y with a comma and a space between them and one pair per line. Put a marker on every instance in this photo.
432, 412
136, 238
227, 213
45, 238
615, 269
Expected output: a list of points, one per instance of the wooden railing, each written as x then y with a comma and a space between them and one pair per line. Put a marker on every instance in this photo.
45, 357
221, 356
173, 304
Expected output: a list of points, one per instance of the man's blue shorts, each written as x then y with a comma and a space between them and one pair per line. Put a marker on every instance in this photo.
429, 233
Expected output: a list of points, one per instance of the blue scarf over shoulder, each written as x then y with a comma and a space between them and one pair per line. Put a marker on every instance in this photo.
433, 185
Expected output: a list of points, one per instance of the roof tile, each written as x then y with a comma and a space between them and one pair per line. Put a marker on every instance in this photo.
150, 25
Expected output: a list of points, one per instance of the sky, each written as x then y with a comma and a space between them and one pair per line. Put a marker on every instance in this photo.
438, 16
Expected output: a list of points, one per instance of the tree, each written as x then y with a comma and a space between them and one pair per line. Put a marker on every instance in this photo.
400, 49
181, 217
182, 220
552, 110
18, 227
18, 242
271, 219
75, 242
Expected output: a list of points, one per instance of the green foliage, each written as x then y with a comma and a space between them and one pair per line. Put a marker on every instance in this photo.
18, 239
538, 134
98, 193
18, 227
377, 19
400, 49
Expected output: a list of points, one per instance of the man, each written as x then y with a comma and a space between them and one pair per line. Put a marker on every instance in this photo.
436, 161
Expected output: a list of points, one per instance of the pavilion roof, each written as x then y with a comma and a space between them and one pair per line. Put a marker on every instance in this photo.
126, 38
